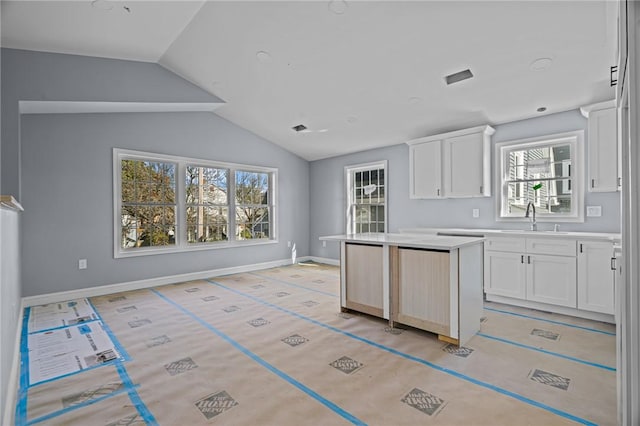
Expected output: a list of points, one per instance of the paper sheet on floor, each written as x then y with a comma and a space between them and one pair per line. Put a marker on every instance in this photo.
57, 353
54, 315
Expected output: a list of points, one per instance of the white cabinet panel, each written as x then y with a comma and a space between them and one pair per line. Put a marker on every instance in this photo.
603, 170
464, 166
506, 244
504, 274
551, 246
595, 278
551, 279
455, 164
425, 173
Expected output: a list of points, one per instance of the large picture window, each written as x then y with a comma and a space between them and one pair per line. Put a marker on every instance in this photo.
366, 197
546, 172
167, 204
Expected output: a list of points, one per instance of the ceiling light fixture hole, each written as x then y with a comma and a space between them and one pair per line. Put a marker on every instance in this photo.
338, 6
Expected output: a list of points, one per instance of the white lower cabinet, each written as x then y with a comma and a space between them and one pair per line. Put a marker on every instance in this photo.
551, 279
504, 274
531, 269
551, 271
596, 290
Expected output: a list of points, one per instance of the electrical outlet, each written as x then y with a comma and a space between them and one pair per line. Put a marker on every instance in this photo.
289, 244
324, 244
594, 211
82, 264
476, 213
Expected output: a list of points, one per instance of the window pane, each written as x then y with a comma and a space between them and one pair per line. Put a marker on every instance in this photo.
252, 188
148, 203
252, 223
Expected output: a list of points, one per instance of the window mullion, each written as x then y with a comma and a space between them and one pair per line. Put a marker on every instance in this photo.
181, 205
231, 203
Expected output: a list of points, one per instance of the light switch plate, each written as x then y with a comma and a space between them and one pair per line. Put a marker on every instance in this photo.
594, 211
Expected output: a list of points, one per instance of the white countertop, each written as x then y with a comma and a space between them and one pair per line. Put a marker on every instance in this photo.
418, 240
512, 232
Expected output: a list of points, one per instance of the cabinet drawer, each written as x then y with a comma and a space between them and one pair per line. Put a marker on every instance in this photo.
551, 246
505, 244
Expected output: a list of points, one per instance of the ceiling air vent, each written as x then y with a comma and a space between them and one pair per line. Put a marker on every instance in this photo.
299, 128
458, 76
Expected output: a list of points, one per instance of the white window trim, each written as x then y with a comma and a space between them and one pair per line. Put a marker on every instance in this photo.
181, 244
576, 140
348, 172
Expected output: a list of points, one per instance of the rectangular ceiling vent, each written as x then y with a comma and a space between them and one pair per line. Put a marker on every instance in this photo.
458, 76
299, 128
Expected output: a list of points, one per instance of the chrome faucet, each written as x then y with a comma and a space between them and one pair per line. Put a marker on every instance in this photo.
534, 225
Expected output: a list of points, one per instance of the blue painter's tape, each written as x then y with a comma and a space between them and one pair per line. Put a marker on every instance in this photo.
84, 329
116, 343
515, 314
77, 406
144, 412
416, 359
295, 285
544, 351
265, 364
23, 389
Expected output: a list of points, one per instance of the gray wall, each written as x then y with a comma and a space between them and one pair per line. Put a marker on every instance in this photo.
328, 202
55, 77
66, 173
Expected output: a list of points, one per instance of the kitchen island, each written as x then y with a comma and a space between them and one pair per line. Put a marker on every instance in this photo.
425, 281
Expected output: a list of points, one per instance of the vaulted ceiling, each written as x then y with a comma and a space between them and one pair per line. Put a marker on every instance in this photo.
357, 74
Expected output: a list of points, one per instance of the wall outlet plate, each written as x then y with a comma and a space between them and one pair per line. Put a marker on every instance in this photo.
82, 264
594, 211
476, 213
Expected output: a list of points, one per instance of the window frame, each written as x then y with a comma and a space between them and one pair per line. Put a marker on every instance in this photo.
181, 245
349, 172
575, 139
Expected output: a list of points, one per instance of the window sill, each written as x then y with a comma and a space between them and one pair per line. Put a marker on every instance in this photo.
119, 254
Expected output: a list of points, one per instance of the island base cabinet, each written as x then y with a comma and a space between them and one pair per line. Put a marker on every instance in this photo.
423, 296
363, 270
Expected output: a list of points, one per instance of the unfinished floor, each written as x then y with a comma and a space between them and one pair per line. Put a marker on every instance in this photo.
272, 348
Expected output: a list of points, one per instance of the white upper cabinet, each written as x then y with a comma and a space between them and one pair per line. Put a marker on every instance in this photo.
451, 165
604, 172
425, 169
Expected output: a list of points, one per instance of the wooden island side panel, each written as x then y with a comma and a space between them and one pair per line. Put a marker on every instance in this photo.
364, 278
422, 292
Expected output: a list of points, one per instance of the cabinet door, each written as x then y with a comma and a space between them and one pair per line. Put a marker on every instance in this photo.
464, 166
426, 171
603, 151
595, 277
364, 282
423, 295
504, 274
551, 279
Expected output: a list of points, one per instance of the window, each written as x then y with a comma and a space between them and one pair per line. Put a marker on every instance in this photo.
168, 204
366, 197
545, 171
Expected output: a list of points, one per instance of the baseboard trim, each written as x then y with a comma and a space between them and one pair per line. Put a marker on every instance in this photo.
14, 375
62, 296
333, 262
595, 316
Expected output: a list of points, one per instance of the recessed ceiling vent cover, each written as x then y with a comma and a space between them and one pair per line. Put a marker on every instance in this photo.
299, 128
459, 76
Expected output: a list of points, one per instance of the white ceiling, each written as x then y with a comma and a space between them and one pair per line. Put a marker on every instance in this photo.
359, 74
